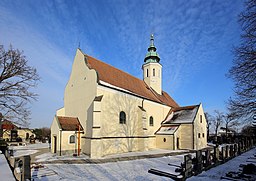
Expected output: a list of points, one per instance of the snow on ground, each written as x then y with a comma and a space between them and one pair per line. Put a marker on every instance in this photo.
150, 152
5, 171
131, 170
19, 153
232, 165
52, 157
114, 171
30, 146
28, 149
121, 170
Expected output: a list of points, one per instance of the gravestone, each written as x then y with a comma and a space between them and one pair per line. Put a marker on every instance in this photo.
231, 151
223, 153
239, 148
227, 152
216, 154
235, 149
26, 173
199, 162
188, 165
208, 158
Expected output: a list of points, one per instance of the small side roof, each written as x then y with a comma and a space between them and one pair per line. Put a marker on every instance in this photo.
181, 115
69, 123
167, 130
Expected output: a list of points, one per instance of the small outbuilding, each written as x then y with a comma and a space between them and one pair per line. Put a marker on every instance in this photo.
65, 133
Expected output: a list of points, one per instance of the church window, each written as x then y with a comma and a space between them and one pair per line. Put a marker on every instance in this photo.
201, 119
154, 72
164, 140
151, 121
72, 139
203, 135
198, 135
147, 72
122, 117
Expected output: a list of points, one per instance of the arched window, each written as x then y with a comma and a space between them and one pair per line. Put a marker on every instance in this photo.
122, 117
151, 121
72, 139
154, 72
198, 135
147, 72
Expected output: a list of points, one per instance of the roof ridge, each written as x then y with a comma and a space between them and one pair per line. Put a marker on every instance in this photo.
186, 107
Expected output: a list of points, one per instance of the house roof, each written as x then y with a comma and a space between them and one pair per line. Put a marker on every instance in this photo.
8, 125
167, 130
69, 123
123, 80
181, 115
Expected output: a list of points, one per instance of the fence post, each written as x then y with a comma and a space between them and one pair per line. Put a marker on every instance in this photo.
26, 173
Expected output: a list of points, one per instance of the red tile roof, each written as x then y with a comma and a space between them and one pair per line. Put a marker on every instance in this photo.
121, 79
8, 125
69, 123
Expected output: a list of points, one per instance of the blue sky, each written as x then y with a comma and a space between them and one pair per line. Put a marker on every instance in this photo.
193, 38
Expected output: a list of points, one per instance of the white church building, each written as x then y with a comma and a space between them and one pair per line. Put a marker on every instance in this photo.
108, 111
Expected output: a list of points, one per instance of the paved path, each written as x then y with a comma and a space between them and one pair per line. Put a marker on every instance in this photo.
5, 170
40, 152
115, 159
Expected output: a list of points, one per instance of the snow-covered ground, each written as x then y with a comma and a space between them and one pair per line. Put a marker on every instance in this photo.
113, 171
28, 149
30, 146
5, 171
121, 170
131, 170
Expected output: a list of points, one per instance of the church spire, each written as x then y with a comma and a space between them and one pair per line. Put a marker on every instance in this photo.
152, 55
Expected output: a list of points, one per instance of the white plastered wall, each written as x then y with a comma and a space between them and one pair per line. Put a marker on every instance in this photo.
158, 112
200, 127
55, 131
110, 136
80, 92
154, 81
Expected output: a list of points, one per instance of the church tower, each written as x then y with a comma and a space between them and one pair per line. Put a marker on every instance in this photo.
152, 69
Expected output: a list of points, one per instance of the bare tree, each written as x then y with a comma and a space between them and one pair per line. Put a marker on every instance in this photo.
218, 120
243, 71
17, 79
230, 121
209, 121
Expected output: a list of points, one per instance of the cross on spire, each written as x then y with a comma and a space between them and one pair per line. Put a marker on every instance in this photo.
152, 55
